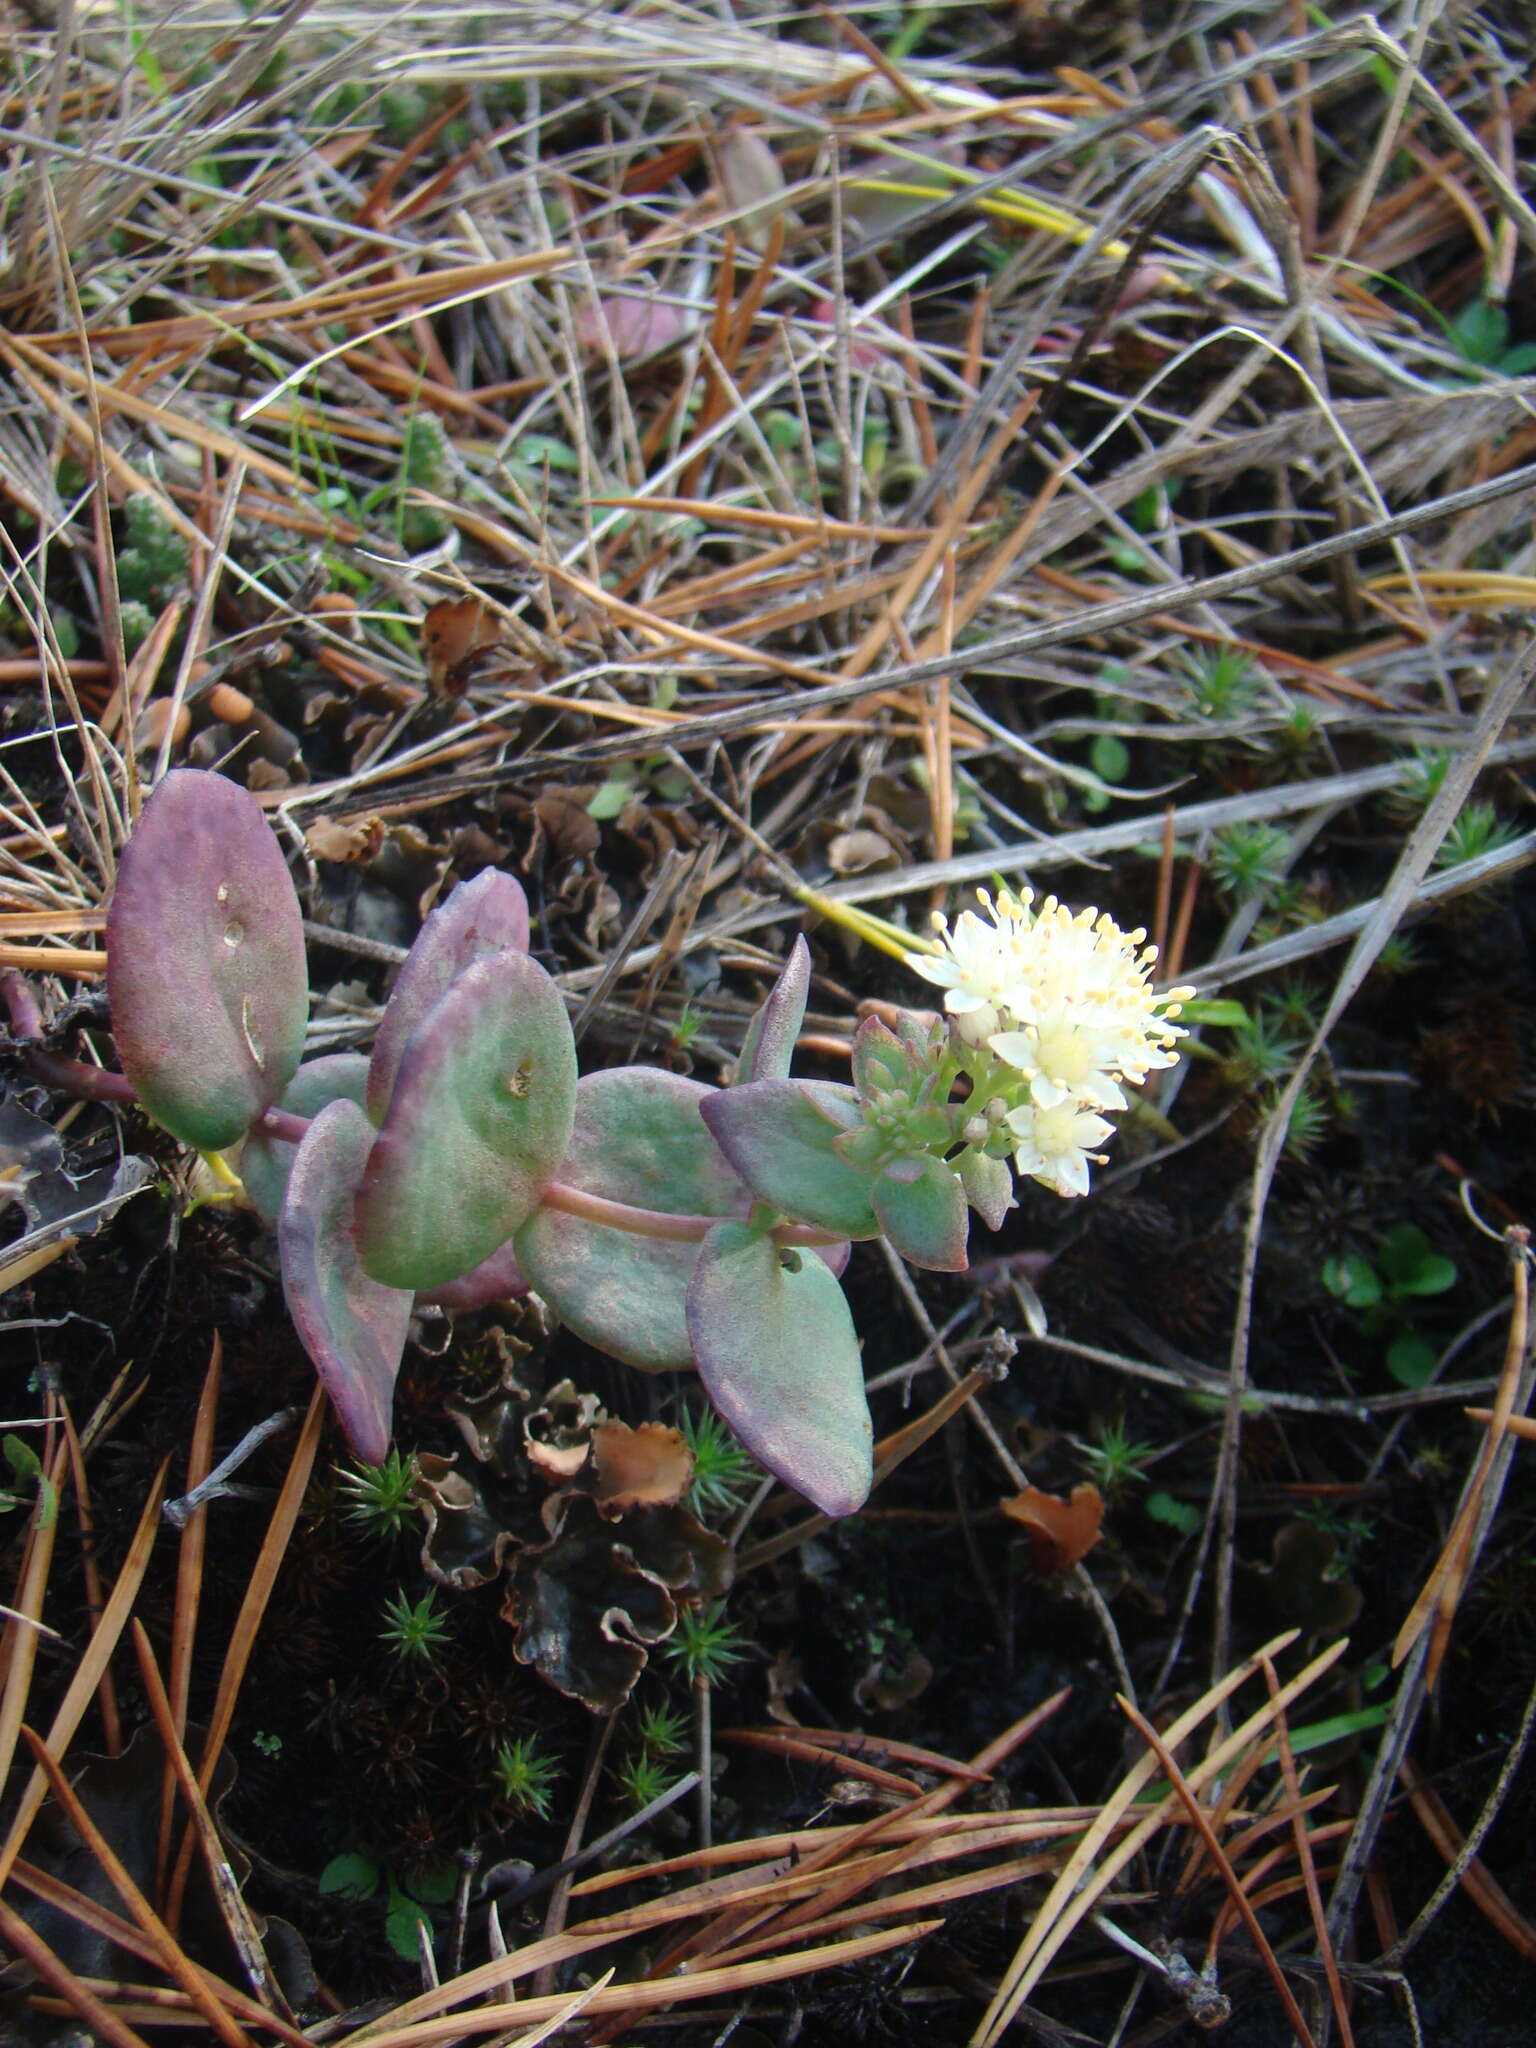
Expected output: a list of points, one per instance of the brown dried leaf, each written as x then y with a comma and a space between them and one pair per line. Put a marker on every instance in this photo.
454, 633
647, 1467
354, 844
1061, 1532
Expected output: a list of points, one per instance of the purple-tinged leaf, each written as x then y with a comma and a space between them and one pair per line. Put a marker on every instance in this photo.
205, 960
882, 1061
352, 1328
771, 1036
780, 1135
498, 1278
639, 1138
988, 1185
778, 1356
921, 1206
486, 916
481, 1115
266, 1163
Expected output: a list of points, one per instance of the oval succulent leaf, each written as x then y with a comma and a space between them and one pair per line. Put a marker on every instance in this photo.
498, 1278
771, 1036
639, 1138
205, 960
778, 1356
922, 1209
486, 916
481, 1115
266, 1163
988, 1185
780, 1136
352, 1328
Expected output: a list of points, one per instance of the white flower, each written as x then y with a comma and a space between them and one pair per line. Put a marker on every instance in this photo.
1055, 1144
983, 962
1067, 1001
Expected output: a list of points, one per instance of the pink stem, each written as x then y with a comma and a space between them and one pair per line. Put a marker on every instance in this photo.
95, 1084
658, 1223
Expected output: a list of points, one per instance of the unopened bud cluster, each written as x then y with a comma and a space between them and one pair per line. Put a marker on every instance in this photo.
1053, 1015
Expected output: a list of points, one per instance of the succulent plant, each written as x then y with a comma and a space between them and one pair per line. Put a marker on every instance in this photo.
672, 1225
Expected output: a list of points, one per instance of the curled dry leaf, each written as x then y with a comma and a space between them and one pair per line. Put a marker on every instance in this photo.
467, 1541
454, 634
354, 844
559, 1433
651, 1466
588, 1604
887, 1685
1061, 1532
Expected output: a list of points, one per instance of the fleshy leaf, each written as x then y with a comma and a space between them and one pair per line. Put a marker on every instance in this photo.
205, 960
639, 1138
988, 1185
880, 1059
779, 1135
480, 1118
486, 916
498, 1278
770, 1042
777, 1353
921, 1206
352, 1328
266, 1162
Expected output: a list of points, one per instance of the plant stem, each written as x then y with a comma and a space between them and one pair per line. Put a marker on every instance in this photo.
659, 1223
95, 1084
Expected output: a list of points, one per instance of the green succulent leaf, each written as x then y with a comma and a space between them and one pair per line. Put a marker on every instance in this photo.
482, 1112
882, 1061
780, 1136
988, 1185
777, 1353
486, 916
352, 1327
921, 1207
205, 960
638, 1138
266, 1162
771, 1036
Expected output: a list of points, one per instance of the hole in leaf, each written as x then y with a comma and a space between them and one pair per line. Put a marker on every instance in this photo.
234, 932
790, 1259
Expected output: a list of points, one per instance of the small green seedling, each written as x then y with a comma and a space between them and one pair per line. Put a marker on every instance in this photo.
1407, 1269
525, 1777
413, 1630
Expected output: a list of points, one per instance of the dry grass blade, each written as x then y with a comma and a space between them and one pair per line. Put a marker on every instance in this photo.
1239, 1898
103, 2024
1087, 1876
1436, 1605
87, 1675
167, 1950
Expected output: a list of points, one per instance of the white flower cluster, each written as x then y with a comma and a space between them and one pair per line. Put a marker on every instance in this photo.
1065, 1000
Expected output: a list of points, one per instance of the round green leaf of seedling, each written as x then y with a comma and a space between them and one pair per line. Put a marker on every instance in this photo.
779, 1135
922, 1210
1411, 1359
777, 1352
352, 1328
486, 916
266, 1163
770, 1040
481, 1114
639, 1138
205, 960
